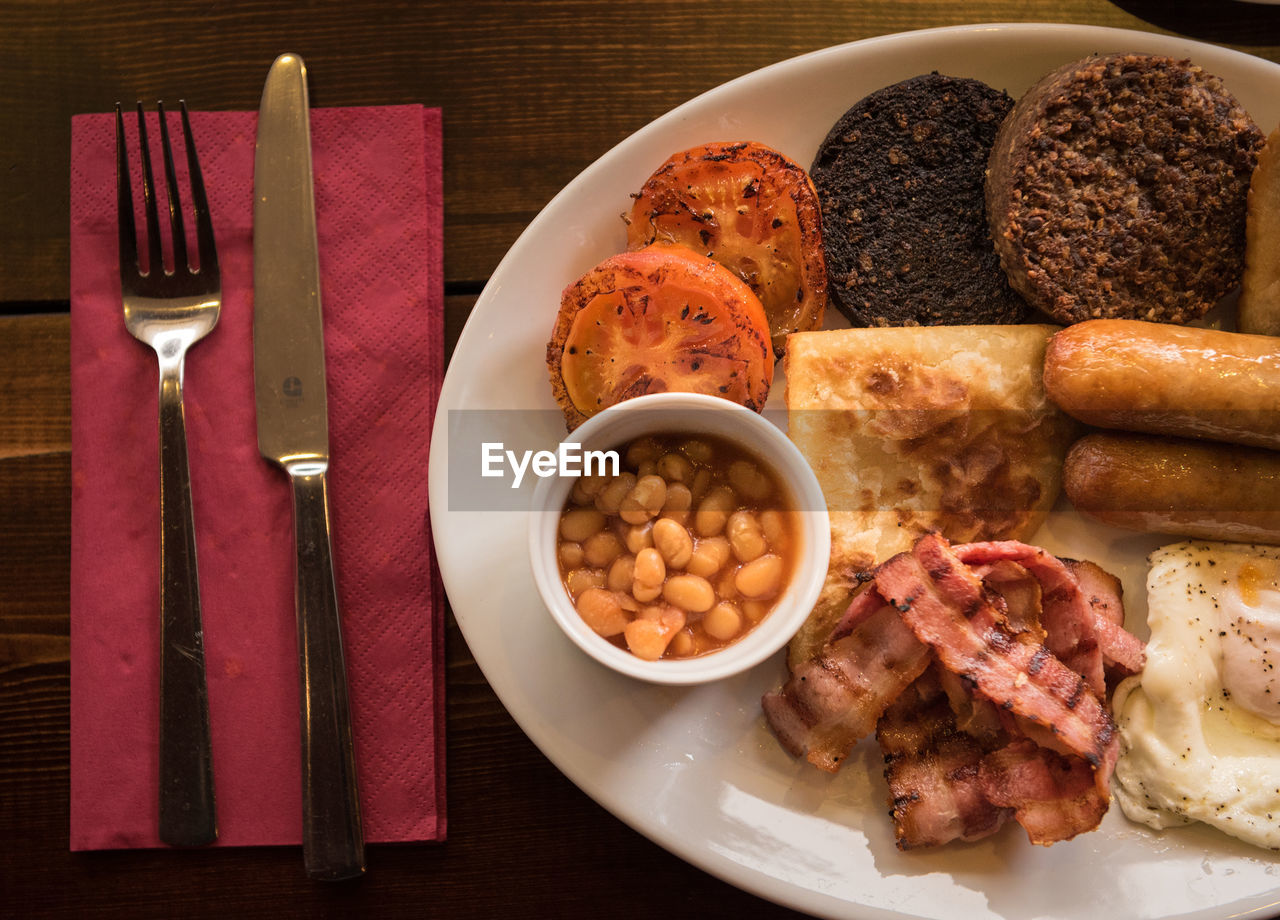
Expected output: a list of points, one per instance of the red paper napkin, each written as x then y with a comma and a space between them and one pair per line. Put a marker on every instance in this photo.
379, 211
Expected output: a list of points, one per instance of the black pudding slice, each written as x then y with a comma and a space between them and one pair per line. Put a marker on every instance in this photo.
900, 181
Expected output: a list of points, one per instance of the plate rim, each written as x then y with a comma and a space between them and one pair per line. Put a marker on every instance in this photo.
784, 893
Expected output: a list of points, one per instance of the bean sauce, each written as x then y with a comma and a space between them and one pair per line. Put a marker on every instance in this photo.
684, 551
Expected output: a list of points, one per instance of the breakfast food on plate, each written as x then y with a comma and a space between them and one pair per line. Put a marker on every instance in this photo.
682, 552
982, 667
752, 210
1200, 728
1115, 194
661, 318
1117, 187
1258, 310
1184, 381
913, 430
900, 178
1176, 486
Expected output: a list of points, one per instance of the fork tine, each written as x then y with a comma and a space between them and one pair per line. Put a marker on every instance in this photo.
200, 204
155, 260
177, 230
124, 199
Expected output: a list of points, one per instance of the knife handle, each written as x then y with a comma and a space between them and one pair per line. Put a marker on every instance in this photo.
332, 839
187, 814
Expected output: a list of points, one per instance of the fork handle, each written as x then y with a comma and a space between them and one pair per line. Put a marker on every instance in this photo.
332, 839
187, 813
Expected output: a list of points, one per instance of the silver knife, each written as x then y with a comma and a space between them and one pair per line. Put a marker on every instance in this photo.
293, 431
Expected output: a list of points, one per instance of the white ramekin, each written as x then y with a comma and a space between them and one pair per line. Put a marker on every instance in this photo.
698, 415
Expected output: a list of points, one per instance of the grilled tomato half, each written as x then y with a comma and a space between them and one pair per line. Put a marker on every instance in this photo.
657, 319
752, 210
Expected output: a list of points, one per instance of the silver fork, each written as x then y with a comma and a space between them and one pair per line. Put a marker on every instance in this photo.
170, 311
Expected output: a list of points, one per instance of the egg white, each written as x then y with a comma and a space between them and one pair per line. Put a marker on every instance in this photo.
1200, 727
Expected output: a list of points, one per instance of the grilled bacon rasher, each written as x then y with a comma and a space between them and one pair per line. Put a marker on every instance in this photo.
983, 670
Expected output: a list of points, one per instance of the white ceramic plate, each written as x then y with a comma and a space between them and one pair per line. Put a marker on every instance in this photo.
696, 769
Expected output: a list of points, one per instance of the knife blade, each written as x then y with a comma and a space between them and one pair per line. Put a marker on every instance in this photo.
293, 432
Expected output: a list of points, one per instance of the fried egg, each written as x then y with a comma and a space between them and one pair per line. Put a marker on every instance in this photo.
1200, 726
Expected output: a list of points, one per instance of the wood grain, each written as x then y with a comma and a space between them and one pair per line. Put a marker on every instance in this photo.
512, 815
518, 828
35, 384
532, 93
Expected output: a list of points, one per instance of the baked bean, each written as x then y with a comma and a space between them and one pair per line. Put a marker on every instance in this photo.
587, 488
689, 592
601, 611
609, 499
749, 480
649, 568
675, 468
645, 593
673, 542
621, 574
644, 501
708, 557
570, 555
580, 580
727, 584
580, 523
701, 485
682, 553
774, 525
638, 537
673, 618
679, 503
641, 450
713, 512
682, 644
723, 621
760, 577
745, 536
697, 451
600, 550
648, 639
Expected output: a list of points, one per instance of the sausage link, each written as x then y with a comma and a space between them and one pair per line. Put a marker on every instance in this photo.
1176, 486
1165, 379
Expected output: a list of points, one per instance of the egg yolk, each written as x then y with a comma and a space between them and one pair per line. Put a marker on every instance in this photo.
1249, 630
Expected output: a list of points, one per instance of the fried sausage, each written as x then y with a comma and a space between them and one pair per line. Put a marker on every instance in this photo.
1164, 379
1176, 486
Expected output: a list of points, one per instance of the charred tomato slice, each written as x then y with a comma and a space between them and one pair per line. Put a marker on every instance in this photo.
752, 210
657, 319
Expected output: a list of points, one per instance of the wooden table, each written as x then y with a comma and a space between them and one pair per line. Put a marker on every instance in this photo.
532, 93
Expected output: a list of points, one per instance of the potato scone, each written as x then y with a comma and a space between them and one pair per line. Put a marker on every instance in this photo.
911, 432
900, 179
1116, 189
1259, 309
